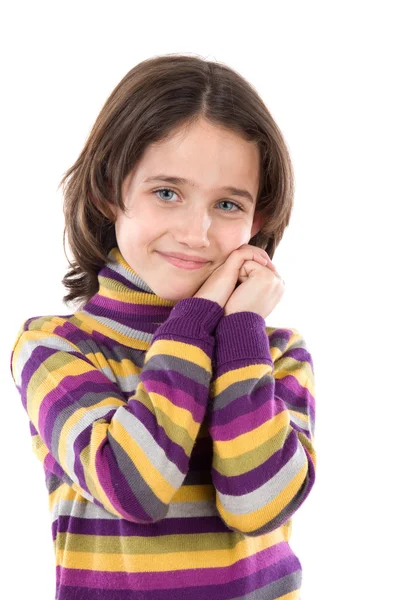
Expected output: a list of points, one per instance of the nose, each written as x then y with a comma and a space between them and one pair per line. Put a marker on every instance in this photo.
193, 230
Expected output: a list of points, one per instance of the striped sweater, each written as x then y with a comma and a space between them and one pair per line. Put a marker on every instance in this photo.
176, 444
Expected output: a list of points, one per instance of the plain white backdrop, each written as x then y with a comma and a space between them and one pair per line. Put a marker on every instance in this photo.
329, 74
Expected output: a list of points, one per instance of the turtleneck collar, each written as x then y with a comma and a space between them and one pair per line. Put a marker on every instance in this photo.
124, 304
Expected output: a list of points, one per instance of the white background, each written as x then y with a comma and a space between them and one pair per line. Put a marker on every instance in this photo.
329, 74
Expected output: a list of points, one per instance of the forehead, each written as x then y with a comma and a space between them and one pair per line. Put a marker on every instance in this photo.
206, 156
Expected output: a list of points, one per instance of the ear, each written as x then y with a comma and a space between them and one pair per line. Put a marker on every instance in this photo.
257, 223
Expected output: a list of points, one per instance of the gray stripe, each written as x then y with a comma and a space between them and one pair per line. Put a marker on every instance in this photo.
176, 510
130, 276
183, 366
151, 449
123, 329
299, 422
246, 503
88, 400
238, 389
277, 588
86, 421
49, 341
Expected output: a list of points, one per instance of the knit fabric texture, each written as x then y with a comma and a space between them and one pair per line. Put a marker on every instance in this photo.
176, 443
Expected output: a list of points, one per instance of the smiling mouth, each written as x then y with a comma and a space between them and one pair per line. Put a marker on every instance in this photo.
183, 264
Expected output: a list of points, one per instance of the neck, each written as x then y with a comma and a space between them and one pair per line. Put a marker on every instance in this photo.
124, 303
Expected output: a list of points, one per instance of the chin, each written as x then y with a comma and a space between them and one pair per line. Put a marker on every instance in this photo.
173, 295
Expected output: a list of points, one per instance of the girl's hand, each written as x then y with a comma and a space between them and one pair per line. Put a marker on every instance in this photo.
259, 291
260, 287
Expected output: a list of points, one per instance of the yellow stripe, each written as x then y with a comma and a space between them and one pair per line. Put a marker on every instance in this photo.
88, 456
25, 337
242, 374
194, 493
309, 445
178, 415
188, 352
65, 492
290, 596
44, 379
39, 448
178, 433
89, 325
107, 289
231, 467
55, 496
46, 325
254, 438
144, 563
256, 519
139, 458
122, 368
300, 370
82, 414
301, 417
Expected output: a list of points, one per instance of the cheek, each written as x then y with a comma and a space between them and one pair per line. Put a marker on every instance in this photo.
234, 236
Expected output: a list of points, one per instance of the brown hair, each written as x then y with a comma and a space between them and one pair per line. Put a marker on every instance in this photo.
155, 97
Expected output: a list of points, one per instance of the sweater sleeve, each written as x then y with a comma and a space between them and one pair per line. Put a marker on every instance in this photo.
128, 456
262, 423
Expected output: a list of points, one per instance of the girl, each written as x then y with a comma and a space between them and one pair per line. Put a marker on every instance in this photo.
176, 429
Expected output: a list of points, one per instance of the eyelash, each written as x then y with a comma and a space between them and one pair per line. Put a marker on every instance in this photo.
239, 206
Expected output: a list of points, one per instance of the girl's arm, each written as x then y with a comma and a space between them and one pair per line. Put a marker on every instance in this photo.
128, 456
262, 423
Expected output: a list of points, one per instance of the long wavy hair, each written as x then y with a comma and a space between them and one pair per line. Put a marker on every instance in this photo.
155, 97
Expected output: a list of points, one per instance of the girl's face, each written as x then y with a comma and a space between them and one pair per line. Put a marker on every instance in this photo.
201, 220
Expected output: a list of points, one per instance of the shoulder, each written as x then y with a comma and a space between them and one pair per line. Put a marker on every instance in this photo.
57, 328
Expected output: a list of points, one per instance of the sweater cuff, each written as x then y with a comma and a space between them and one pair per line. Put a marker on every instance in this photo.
192, 318
241, 335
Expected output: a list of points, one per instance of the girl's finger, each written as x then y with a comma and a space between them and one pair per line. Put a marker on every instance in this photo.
267, 262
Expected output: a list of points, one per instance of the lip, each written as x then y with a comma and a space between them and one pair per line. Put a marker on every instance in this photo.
183, 264
185, 257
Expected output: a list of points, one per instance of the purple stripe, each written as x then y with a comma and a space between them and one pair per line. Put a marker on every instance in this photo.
290, 390
239, 363
173, 450
241, 405
52, 465
116, 487
29, 321
122, 527
31, 365
263, 410
253, 479
280, 338
110, 273
68, 392
72, 333
181, 392
119, 307
32, 429
300, 354
123, 318
81, 442
242, 577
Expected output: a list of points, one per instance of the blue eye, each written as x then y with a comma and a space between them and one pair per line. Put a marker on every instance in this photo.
163, 190
238, 206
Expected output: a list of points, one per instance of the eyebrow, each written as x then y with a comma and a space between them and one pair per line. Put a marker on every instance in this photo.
234, 191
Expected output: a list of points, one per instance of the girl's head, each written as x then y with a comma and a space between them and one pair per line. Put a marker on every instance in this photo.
183, 118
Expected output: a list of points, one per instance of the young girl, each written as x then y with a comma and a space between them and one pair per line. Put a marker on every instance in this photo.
175, 428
